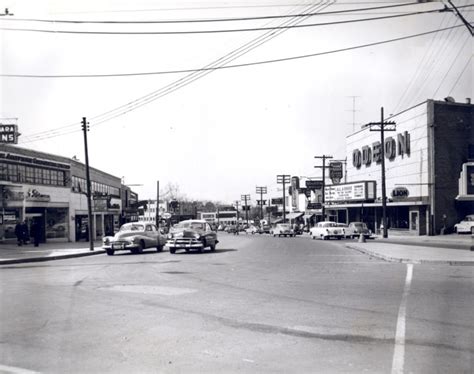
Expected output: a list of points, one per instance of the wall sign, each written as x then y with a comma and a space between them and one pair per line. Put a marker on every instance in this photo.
8, 133
400, 193
393, 148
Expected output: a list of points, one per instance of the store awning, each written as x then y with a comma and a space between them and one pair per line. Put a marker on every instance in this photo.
308, 216
293, 215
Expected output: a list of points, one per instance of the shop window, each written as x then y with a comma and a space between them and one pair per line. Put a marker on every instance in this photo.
30, 175
57, 225
12, 173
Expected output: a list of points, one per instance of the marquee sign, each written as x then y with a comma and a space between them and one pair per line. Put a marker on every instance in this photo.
347, 192
314, 184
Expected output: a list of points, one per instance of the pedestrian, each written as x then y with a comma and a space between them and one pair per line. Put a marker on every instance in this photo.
25, 235
19, 233
35, 233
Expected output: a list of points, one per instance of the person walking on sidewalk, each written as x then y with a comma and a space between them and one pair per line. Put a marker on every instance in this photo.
35, 232
19, 233
25, 234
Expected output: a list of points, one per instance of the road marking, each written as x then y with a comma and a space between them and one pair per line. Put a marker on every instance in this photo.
399, 351
14, 370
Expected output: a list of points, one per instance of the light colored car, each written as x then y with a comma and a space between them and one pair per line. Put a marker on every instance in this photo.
356, 229
192, 234
282, 229
134, 237
252, 230
343, 227
326, 230
466, 226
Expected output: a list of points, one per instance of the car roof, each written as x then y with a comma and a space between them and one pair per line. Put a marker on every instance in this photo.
193, 221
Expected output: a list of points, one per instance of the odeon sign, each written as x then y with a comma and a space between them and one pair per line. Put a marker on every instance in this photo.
393, 148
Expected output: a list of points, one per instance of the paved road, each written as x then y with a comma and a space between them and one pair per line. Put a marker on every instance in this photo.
258, 304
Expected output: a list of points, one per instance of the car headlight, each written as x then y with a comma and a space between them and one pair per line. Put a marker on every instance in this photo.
170, 236
196, 236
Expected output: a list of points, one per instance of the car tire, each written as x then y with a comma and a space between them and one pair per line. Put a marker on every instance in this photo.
213, 247
313, 237
110, 252
172, 251
472, 230
159, 248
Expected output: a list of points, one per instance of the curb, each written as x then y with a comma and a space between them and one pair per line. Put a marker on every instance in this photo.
51, 258
408, 260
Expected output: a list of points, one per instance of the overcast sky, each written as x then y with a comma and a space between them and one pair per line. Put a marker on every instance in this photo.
231, 130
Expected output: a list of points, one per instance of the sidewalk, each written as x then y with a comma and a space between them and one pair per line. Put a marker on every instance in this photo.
11, 253
447, 249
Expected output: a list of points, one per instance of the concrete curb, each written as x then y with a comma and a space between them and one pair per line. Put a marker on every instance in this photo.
408, 260
51, 258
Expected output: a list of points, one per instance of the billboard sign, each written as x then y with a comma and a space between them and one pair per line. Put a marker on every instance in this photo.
277, 201
314, 206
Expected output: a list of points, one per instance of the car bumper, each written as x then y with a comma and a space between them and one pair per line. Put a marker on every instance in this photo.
120, 246
184, 244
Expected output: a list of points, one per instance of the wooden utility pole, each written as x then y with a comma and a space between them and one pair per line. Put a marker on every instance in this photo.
245, 198
283, 179
380, 126
323, 157
261, 191
85, 128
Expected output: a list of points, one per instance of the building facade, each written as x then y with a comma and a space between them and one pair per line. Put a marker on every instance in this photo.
51, 190
428, 169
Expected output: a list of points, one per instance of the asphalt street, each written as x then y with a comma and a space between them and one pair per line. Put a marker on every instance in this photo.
257, 304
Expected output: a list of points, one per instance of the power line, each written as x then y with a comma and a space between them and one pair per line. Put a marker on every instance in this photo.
251, 29
283, 59
460, 75
208, 20
188, 79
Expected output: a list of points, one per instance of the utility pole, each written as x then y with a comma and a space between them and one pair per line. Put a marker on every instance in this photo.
353, 111
261, 191
237, 202
470, 28
324, 158
283, 179
380, 126
7, 13
157, 217
245, 198
85, 128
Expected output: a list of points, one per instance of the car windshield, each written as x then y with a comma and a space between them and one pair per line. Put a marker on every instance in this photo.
469, 219
360, 225
329, 224
131, 227
196, 226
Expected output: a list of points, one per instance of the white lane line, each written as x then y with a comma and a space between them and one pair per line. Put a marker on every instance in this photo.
15, 370
399, 351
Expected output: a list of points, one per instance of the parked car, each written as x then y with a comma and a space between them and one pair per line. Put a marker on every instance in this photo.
134, 237
192, 235
266, 229
282, 229
466, 226
356, 229
326, 230
344, 227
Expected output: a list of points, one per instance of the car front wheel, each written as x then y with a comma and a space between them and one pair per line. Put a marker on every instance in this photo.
110, 252
172, 251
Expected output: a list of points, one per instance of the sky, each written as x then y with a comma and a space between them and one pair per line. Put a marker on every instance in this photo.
219, 135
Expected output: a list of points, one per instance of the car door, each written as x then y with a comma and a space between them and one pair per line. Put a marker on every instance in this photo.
209, 235
151, 235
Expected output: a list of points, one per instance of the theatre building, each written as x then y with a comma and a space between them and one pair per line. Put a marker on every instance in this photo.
50, 190
429, 169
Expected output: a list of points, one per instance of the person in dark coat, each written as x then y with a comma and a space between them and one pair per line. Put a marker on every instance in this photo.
35, 232
19, 233
25, 232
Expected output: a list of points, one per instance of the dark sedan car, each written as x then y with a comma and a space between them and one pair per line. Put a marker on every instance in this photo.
192, 235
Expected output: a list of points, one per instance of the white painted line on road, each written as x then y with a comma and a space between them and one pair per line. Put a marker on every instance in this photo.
399, 351
14, 370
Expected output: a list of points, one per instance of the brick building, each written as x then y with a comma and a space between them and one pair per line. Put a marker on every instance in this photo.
429, 171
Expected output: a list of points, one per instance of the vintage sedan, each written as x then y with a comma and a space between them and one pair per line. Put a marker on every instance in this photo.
326, 230
192, 235
134, 237
466, 226
282, 229
356, 229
